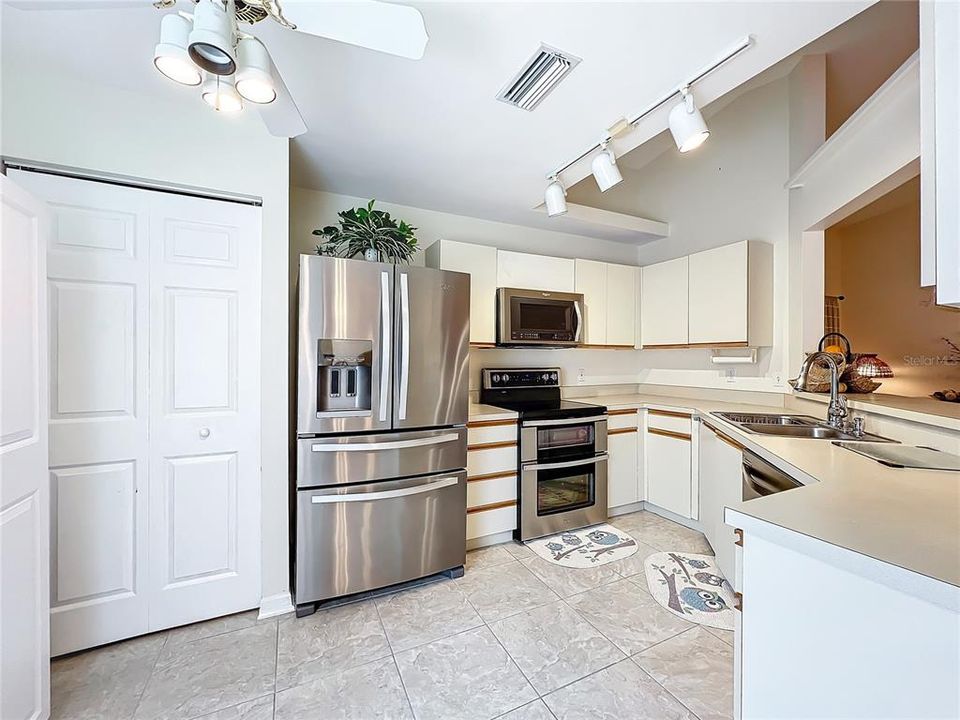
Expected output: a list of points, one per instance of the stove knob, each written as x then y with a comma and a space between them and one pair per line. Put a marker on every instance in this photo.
506, 378
496, 378
546, 376
553, 377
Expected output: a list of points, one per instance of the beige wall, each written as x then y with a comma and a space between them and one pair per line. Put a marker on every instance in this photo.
875, 265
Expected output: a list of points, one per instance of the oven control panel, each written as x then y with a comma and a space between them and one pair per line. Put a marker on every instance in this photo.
503, 378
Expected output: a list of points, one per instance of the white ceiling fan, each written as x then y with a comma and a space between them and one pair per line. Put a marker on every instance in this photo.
209, 48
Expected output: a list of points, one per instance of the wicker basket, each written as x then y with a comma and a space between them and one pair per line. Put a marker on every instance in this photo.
818, 376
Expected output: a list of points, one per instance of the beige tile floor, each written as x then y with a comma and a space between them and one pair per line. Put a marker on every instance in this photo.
516, 638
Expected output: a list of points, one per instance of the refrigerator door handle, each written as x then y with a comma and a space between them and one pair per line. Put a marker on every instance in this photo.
384, 494
405, 345
394, 445
384, 344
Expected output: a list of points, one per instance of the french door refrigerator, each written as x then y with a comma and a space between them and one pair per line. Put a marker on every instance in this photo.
382, 402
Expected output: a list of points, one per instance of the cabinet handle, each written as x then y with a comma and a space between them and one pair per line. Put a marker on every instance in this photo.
669, 434
739, 533
204, 433
728, 440
738, 601
670, 413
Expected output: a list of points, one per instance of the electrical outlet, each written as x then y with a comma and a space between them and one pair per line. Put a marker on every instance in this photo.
730, 375
778, 379
579, 376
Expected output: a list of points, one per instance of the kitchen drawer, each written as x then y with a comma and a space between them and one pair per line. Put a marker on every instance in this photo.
491, 431
491, 490
619, 419
674, 420
492, 521
492, 459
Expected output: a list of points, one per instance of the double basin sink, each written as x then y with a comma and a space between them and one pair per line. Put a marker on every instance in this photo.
794, 426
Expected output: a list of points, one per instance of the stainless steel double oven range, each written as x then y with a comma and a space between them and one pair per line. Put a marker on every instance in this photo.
382, 404
562, 448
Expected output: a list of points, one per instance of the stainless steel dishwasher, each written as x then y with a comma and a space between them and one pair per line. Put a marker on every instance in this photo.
760, 478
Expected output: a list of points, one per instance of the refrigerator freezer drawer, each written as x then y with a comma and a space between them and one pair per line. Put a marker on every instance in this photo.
342, 459
359, 538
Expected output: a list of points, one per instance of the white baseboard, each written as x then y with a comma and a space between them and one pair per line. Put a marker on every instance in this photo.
625, 509
488, 540
667, 515
274, 605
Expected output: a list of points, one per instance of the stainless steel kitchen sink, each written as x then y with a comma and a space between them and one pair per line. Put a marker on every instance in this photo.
794, 426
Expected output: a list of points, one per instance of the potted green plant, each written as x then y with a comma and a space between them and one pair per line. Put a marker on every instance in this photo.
368, 232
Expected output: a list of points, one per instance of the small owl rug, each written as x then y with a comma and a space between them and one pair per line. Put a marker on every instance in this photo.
692, 587
585, 548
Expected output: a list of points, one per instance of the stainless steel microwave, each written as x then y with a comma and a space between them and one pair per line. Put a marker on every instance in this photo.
539, 317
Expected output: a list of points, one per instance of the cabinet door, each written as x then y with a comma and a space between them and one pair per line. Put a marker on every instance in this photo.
718, 295
622, 486
946, 50
591, 280
480, 262
668, 471
621, 304
535, 272
720, 487
664, 303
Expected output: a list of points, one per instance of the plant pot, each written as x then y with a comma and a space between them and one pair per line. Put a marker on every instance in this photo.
371, 255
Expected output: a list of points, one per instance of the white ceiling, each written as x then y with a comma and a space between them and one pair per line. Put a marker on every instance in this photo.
430, 133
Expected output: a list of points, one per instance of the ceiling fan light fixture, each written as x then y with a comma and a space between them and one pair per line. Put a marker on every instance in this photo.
170, 56
221, 94
254, 78
211, 43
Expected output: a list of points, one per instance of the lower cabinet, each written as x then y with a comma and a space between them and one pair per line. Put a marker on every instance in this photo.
720, 486
667, 450
623, 486
491, 477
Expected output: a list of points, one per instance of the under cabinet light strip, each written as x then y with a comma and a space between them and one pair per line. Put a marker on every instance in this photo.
732, 53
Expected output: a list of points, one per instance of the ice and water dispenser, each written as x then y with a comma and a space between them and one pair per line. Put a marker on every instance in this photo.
344, 372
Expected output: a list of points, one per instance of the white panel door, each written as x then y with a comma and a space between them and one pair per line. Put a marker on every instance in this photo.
622, 485
718, 294
204, 409
663, 306
591, 280
622, 304
98, 274
24, 493
669, 483
534, 272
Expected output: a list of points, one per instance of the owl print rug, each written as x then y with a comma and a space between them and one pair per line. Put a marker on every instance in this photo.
692, 587
585, 548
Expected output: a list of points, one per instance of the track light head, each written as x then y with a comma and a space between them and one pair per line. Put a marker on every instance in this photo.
604, 167
212, 39
687, 124
170, 56
555, 197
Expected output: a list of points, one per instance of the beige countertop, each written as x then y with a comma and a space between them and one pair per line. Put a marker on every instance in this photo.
908, 518
928, 411
480, 412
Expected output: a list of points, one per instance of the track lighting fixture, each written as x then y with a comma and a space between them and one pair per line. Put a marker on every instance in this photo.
686, 123
605, 168
555, 197
213, 36
220, 93
254, 79
170, 56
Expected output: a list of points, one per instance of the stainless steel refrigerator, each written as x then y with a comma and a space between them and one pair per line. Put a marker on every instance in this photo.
382, 402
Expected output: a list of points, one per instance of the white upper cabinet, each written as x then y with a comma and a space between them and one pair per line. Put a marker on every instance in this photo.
480, 262
535, 272
591, 280
622, 281
731, 295
940, 149
663, 303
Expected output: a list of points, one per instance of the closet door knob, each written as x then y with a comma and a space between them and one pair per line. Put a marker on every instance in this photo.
204, 433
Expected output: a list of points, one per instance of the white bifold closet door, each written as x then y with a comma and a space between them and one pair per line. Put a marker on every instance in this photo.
154, 323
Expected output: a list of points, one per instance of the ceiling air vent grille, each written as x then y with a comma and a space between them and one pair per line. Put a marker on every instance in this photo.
538, 76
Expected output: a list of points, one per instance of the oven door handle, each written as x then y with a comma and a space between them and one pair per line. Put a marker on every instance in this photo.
564, 421
568, 464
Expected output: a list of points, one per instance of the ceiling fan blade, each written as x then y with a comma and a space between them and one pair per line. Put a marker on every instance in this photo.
282, 117
387, 27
